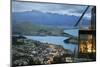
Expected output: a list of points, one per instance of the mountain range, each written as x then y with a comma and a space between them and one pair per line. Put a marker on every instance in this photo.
46, 18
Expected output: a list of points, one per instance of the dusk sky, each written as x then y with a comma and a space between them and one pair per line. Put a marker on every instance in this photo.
63, 9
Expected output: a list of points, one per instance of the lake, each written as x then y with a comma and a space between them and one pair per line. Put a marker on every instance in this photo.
73, 32
58, 40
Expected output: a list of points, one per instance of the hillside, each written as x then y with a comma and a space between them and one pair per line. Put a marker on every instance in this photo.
28, 28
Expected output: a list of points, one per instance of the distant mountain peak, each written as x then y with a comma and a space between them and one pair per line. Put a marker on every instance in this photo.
36, 11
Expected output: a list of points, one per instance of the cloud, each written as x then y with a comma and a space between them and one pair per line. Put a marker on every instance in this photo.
51, 8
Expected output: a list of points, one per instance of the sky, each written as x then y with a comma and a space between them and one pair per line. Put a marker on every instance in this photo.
63, 9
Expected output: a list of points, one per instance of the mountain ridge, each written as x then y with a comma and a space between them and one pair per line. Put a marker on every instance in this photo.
46, 18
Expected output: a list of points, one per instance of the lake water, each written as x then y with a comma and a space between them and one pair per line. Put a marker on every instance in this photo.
58, 40
73, 32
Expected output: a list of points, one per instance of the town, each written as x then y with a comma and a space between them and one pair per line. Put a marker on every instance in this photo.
29, 52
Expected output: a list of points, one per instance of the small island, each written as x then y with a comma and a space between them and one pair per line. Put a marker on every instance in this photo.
72, 40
